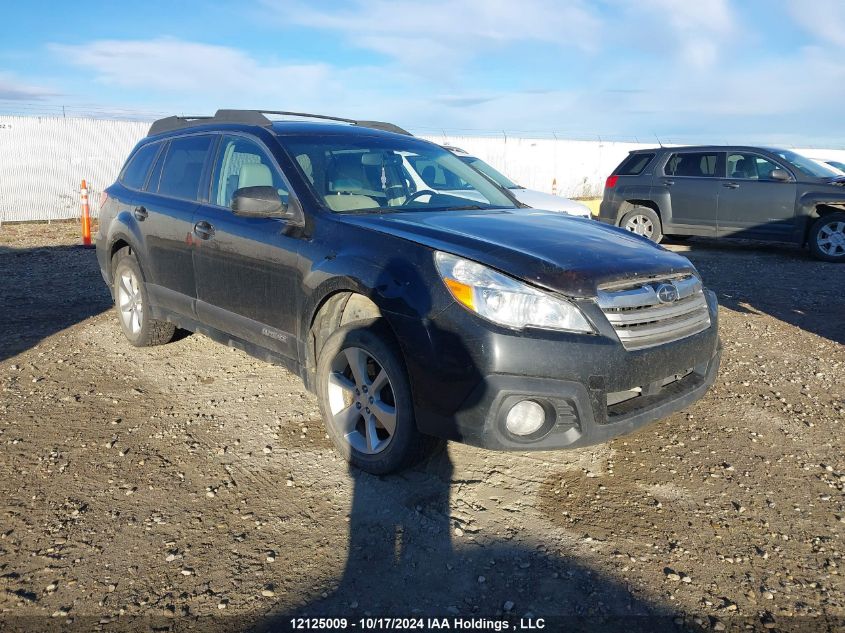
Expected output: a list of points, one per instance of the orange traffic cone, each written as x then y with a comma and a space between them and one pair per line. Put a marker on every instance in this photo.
86, 217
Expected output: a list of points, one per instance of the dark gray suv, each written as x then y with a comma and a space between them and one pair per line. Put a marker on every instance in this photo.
736, 191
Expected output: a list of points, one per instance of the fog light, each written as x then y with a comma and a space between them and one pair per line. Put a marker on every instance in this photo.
526, 417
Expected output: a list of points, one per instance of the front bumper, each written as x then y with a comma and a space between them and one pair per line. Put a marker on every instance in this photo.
466, 374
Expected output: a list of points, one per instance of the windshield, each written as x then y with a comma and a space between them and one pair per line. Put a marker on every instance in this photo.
374, 173
805, 164
496, 176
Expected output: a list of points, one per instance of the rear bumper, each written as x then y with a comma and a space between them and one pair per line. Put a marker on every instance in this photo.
466, 374
608, 212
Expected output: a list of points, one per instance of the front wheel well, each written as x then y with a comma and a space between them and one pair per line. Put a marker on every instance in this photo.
335, 311
822, 210
819, 211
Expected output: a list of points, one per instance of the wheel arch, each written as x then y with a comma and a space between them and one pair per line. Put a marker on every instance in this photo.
630, 204
124, 232
339, 304
820, 210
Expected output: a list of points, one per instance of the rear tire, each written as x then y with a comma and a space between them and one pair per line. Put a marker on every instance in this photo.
131, 303
827, 238
643, 221
365, 398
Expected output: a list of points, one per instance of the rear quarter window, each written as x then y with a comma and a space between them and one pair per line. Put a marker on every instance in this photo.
135, 172
634, 164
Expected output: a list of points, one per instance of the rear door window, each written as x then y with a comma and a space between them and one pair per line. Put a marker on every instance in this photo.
182, 170
634, 164
693, 164
138, 168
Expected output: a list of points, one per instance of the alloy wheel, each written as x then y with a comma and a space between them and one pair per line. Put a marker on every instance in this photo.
130, 302
361, 401
640, 225
831, 238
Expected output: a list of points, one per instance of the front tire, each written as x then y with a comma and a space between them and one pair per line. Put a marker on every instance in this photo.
365, 398
827, 238
131, 303
643, 221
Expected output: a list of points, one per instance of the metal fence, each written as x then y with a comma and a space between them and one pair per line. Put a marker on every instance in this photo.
44, 159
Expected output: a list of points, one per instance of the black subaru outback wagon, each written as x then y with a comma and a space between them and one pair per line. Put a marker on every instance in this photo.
415, 315
761, 193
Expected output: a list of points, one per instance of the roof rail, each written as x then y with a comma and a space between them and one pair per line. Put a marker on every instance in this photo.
257, 117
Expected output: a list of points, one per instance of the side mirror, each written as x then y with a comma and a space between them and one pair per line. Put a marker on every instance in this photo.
780, 175
258, 202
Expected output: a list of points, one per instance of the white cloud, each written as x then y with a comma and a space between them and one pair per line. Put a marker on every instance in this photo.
823, 19
14, 89
187, 68
438, 37
692, 33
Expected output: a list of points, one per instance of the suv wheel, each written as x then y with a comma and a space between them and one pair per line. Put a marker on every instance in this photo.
131, 304
365, 398
643, 221
827, 238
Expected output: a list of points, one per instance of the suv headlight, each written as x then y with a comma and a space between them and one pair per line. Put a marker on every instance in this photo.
505, 300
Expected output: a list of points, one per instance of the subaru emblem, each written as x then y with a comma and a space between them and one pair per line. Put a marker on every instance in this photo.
667, 293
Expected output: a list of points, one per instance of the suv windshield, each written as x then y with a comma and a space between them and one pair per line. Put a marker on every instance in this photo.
496, 176
373, 173
805, 164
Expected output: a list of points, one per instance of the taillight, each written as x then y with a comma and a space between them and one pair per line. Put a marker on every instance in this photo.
610, 183
103, 199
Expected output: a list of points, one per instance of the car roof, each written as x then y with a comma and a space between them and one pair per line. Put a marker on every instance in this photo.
704, 148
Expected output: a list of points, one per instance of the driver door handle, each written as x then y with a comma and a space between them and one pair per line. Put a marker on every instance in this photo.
731, 185
668, 183
203, 230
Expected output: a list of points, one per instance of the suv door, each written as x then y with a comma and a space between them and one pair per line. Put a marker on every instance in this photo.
165, 212
690, 180
753, 203
246, 268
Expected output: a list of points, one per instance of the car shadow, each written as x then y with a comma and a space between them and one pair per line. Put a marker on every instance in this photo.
45, 290
409, 558
780, 280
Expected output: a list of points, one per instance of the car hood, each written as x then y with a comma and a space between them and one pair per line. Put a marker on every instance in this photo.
549, 202
552, 250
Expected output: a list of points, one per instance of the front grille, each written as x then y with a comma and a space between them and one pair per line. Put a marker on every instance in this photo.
643, 316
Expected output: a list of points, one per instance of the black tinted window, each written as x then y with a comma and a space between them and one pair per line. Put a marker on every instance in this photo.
182, 169
135, 173
692, 164
634, 164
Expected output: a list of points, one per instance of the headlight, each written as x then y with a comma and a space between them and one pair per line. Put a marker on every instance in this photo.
504, 300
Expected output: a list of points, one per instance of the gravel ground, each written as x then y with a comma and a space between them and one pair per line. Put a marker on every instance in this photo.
190, 486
